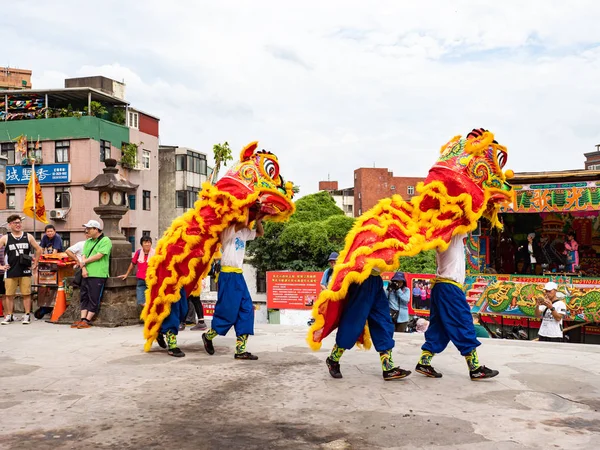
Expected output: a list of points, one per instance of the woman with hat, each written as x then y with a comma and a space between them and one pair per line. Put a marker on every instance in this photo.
327, 274
398, 297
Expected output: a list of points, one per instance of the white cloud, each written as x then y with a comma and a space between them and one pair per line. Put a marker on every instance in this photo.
333, 86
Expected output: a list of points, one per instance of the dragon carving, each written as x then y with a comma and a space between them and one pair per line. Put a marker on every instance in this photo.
185, 252
466, 183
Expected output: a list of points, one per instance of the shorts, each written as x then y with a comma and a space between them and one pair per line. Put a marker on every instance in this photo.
91, 291
24, 284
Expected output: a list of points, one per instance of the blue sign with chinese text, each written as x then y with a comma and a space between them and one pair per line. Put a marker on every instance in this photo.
46, 173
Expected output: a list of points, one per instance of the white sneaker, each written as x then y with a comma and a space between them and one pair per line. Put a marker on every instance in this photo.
7, 319
26, 319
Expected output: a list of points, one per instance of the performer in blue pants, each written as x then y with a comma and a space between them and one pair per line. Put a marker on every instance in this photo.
234, 305
170, 326
366, 303
450, 318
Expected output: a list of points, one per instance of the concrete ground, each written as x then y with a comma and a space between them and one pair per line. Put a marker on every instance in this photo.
65, 388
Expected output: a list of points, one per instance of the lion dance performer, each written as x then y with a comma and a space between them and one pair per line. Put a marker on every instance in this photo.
184, 254
466, 183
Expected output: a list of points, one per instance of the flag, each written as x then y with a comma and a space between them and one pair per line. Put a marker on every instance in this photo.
40, 209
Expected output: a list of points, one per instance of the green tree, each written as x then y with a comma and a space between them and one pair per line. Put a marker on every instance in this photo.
317, 228
222, 154
423, 262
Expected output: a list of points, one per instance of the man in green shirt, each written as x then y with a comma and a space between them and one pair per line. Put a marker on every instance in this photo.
94, 271
479, 329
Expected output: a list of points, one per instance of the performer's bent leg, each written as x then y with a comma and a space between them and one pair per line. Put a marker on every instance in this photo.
436, 337
380, 322
382, 334
170, 326
457, 319
229, 298
356, 312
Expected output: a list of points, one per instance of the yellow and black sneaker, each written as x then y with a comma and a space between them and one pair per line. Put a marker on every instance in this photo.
208, 345
482, 373
428, 371
334, 368
246, 355
395, 374
160, 339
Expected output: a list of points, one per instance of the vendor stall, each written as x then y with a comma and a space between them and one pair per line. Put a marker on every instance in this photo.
51, 273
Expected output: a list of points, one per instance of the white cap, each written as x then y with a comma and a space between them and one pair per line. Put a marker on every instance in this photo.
550, 286
93, 224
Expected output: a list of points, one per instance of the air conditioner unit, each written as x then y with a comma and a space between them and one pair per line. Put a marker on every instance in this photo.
58, 214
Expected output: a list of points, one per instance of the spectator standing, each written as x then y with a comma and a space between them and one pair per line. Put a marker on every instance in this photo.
51, 241
329, 271
140, 260
19, 264
416, 295
398, 297
2, 290
572, 252
552, 310
94, 271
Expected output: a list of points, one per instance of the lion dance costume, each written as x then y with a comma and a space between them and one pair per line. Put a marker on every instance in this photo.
185, 252
466, 183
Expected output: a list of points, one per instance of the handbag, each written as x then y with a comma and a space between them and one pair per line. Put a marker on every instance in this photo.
77, 278
25, 260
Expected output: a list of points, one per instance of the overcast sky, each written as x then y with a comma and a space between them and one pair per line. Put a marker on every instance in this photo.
331, 86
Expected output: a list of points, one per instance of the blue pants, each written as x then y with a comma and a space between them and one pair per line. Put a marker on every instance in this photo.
450, 320
179, 310
366, 302
140, 292
234, 305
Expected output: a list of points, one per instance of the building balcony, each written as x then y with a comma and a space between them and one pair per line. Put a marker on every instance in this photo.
65, 128
77, 102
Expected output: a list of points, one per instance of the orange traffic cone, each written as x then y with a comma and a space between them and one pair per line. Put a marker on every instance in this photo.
60, 305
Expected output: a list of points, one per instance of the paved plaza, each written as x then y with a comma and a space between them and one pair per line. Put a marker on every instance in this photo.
65, 388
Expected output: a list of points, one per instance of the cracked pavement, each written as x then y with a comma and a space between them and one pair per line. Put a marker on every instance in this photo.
66, 388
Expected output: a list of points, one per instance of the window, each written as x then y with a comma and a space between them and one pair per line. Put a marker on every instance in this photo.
10, 198
196, 163
146, 200
392, 187
146, 233
186, 199
133, 119
594, 167
359, 195
8, 150
66, 238
180, 162
62, 151
261, 282
35, 153
146, 159
180, 199
62, 197
410, 190
104, 150
192, 196
131, 199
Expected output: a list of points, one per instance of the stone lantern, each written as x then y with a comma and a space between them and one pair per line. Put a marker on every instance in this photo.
112, 191
118, 306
